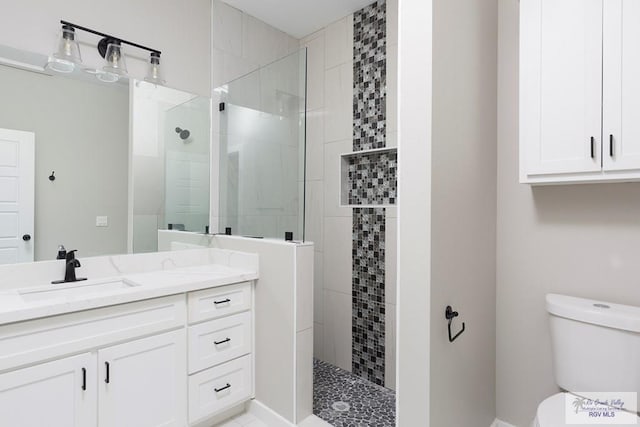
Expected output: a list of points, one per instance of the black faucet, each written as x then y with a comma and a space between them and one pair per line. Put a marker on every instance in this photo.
70, 269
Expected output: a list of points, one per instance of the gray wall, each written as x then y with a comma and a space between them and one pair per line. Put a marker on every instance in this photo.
579, 240
464, 211
82, 133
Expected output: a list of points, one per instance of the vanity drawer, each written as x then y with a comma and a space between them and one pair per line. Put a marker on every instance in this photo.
220, 388
37, 340
218, 341
219, 302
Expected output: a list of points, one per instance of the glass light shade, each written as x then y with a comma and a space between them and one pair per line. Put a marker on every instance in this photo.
114, 60
107, 77
67, 55
154, 75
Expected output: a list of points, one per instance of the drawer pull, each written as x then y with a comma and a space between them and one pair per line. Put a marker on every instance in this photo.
224, 301
107, 376
218, 390
84, 379
222, 342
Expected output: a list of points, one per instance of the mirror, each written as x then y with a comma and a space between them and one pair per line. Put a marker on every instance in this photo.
70, 173
171, 134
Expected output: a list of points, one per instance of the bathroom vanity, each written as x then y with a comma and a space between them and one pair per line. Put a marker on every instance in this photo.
160, 348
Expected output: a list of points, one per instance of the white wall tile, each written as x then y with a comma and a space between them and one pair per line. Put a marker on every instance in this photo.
304, 288
318, 340
337, 261
392, 90
318, 287
315, 145
390, 262
315, 71
332, 152
227, 28
337, 329
390, 347
338, 100
314, 214
392, 22
304, 374
339, 42
263, 43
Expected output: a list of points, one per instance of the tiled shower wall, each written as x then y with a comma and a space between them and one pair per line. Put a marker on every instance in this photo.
330, 132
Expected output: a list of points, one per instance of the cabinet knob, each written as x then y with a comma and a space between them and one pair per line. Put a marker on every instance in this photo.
26, 237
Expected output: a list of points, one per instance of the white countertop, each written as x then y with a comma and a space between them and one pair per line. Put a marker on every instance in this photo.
16, 308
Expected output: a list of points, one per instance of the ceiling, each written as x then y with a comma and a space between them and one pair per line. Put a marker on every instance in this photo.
299, 18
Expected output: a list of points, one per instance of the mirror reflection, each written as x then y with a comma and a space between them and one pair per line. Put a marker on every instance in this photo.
95, 166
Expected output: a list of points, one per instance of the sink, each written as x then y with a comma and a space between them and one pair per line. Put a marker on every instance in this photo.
72, 290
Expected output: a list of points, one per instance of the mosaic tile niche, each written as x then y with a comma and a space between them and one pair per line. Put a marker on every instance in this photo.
371, 181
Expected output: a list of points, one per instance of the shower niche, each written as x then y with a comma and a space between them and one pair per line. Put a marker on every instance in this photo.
368, 178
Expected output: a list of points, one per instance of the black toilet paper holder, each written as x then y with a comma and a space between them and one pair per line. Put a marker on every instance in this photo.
449, 314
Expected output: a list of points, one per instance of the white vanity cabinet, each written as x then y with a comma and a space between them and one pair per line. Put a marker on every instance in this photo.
142, 383
61, 393
220, 347
579, 91
164, 362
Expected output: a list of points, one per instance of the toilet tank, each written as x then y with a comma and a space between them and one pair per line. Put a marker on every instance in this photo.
596, 345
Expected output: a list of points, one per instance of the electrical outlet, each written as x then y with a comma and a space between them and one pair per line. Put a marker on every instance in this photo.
102, 221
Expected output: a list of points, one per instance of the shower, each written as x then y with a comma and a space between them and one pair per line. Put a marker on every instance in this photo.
183, 133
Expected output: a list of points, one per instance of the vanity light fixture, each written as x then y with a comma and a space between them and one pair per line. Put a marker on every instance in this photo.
109, 47
67, 56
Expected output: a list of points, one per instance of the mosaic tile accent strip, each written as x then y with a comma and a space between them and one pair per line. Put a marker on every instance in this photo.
368, 294
370, 77
345, 400
373, 179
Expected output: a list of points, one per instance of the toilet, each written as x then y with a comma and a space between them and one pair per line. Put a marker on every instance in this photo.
587, 334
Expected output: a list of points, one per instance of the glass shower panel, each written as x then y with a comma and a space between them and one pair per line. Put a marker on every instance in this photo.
262, 123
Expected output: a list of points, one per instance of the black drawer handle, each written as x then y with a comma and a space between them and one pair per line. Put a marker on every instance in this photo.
593, 147
224, 301
222, 342
107, 377
84, 379
218, 390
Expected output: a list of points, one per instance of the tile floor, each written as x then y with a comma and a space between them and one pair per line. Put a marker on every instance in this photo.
367, 404
243, 420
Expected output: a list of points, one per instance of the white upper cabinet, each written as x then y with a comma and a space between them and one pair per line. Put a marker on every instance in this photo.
621, 68
579, 91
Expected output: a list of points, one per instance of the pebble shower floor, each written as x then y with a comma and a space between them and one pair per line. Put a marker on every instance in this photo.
346, 400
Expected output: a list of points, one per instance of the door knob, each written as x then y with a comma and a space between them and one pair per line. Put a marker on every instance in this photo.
26, 237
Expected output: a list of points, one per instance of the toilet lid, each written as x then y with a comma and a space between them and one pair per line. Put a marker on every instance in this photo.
551, 413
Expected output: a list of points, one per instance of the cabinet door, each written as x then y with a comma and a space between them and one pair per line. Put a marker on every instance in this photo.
621, 113
143, 383
561, 86
55, 394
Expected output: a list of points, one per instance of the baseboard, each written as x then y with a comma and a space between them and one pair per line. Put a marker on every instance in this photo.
498, 423
267, 415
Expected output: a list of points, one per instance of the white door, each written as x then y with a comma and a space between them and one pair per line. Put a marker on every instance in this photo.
621, 79
62, 393
17, 157
561, 86
144, 383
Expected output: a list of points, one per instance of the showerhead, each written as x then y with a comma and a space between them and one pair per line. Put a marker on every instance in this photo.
184, 134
